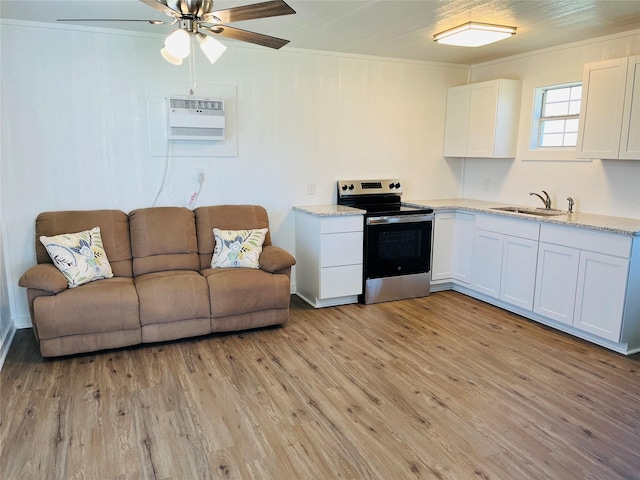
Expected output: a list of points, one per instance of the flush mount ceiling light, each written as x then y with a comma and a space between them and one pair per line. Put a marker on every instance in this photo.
474, 34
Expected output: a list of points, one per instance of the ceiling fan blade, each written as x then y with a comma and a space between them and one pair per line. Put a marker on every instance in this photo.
257, 10
246, 36
152, 22
162, 7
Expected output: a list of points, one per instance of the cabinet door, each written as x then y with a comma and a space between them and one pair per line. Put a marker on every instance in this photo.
486, 268
457, 121
602, 284
463, 247
443, 244
603, 87
483, 108
556, 280
343, 281
518, 280
630, 139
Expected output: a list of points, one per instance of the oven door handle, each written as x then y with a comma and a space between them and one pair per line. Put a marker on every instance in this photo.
399, 219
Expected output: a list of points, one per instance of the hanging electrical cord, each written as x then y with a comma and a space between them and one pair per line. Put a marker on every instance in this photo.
194, 196
192, 70
167, 158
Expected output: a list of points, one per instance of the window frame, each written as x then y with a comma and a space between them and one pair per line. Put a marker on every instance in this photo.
538, 119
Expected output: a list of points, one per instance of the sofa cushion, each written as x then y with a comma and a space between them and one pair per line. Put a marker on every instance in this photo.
105, 306
163, 239
240, 290
114, 229
226, 217
237, 248
171, 296
79, 256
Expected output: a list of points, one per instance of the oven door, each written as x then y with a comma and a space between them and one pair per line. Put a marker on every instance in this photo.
397, 245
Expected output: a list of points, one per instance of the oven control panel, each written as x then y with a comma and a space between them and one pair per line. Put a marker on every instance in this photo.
369, 187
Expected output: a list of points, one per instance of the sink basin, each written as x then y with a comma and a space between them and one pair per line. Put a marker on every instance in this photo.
540, 212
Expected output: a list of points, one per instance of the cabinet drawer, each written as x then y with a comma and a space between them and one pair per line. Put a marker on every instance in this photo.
340, 281
601, 242
345, 223
508, 226
341, 249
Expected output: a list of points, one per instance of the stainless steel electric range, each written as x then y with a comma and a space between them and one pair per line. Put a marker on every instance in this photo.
397, 240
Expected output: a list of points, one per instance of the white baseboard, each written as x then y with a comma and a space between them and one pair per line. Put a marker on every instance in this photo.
23, 322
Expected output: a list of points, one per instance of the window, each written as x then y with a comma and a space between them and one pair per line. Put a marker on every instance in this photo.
557, 110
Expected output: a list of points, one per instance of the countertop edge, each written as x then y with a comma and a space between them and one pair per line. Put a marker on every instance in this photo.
328, 210
617, 225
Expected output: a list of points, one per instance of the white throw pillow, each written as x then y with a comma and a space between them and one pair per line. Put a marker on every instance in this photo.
79, 256
237, 248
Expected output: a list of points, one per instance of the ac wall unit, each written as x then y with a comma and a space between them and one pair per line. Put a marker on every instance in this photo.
190, 118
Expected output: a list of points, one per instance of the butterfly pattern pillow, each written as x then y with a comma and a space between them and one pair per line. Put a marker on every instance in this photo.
79, 256
237, 248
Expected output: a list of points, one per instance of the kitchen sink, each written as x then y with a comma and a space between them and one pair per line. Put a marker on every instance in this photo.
540, 212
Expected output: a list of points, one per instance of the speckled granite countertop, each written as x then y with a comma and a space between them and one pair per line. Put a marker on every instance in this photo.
329, 210
624, 226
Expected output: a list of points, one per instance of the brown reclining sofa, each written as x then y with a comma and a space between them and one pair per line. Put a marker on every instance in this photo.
163, 286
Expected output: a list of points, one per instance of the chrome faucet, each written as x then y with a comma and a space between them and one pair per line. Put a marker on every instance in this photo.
571, 202
546, 200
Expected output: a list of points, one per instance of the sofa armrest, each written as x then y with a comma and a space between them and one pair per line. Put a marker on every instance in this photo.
44, 276
275, 258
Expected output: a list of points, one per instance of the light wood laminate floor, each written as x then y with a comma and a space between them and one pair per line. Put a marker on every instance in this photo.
442, 387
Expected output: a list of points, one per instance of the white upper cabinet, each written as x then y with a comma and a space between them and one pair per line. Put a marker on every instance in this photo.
630, 138
610, 110
457, 121
482, 119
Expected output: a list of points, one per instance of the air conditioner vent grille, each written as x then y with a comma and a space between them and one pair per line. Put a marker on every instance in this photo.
191, 118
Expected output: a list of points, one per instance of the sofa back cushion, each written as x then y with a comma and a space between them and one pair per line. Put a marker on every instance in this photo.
114, 229
163, 238
226, 217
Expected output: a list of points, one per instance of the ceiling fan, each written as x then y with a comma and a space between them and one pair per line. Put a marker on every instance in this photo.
197, 18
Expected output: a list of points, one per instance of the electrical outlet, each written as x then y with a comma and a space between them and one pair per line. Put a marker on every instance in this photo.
311, 188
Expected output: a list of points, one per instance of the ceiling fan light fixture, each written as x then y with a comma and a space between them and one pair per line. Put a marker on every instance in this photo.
212, 48
474, 34
178, 44
170, 58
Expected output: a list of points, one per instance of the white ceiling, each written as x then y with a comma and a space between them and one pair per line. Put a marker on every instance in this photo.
396, 28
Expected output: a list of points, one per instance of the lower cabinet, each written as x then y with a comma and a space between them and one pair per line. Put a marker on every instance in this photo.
329, 252
517, 282
582, 279
444, 231
556, 281
504, 259
486, 266
600, 296
463, 247
452, 247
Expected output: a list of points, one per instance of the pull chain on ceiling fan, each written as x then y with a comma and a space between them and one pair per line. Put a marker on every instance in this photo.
197, 19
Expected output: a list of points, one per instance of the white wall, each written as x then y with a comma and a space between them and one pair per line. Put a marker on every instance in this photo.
7, 327
75, 130
607, 187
